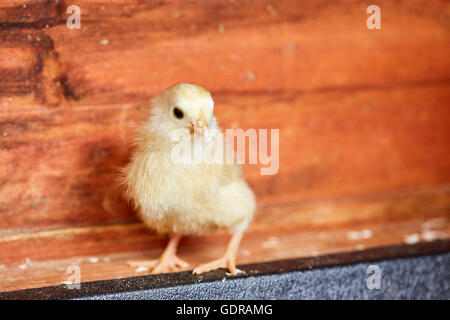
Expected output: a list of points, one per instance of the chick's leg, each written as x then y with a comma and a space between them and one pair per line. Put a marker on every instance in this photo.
168, 260
228, 260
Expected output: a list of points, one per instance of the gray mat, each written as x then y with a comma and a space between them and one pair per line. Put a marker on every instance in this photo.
425, 277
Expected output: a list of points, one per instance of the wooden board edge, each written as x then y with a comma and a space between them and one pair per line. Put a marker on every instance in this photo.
251, 270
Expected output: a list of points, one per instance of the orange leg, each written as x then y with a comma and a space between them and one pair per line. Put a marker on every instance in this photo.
167, 262
228, 260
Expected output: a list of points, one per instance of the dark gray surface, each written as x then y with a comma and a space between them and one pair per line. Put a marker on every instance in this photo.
424, 277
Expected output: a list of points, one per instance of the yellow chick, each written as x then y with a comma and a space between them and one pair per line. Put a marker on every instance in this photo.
181, 198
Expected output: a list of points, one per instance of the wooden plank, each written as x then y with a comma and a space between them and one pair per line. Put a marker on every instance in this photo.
151, 282
41, 258
227, 46
313, 222
58, 168
363, 118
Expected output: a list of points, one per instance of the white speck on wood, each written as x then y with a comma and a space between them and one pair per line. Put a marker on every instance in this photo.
358, 235
93, 260
272, 242
141, 269
412, 238
249, 76
430, 235
271, 9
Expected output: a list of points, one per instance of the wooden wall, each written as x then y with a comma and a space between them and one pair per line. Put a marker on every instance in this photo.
364, 115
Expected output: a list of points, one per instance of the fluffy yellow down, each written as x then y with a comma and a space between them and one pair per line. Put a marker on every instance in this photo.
186, 199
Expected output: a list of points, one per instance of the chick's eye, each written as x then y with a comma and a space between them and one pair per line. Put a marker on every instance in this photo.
178, 113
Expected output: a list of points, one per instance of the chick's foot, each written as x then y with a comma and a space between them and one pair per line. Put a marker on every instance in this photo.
227, 261
168, 262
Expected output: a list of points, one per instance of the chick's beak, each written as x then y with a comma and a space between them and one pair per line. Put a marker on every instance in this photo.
200, 125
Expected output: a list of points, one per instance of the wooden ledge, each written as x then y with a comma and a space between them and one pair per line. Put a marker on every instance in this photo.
251, 270
36, 259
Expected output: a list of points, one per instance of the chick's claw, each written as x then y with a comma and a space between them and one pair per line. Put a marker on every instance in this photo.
226, 262
170, 264
167, 263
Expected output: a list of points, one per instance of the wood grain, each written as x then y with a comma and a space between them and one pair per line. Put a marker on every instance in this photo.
313, 229
315, 220
60, 168
223, 45
364, 118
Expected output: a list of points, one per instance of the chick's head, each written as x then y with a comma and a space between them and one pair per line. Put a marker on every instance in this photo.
182, 106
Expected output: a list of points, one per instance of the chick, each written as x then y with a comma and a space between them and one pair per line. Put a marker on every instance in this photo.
191, 197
